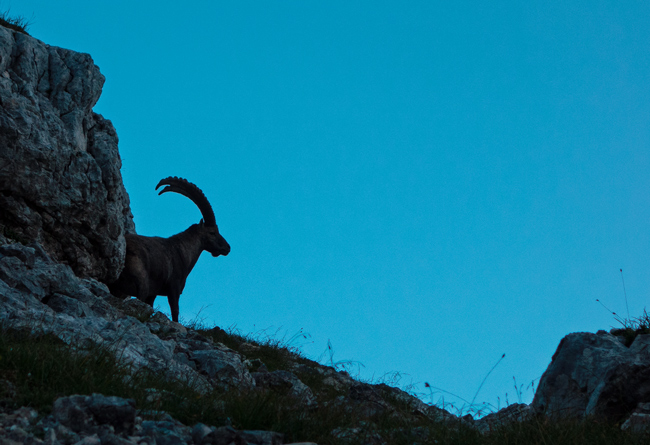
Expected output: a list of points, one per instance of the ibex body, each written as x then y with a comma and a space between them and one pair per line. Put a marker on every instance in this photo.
159, 266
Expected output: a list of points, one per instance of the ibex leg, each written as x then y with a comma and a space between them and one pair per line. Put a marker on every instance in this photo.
173, 305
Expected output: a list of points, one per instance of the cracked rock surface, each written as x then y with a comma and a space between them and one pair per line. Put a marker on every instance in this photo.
595, 375
41, 295
60, 180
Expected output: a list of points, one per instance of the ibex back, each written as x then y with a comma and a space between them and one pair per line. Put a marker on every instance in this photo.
159, 266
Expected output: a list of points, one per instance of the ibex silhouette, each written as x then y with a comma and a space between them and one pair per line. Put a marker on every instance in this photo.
159, 266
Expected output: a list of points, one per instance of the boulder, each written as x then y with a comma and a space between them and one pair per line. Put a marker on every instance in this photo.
518, 412
60, 181
285, 382
80, 413
639, 420
202, 434
595, 375
224, 367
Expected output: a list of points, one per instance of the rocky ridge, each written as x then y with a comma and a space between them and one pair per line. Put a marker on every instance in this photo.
590, 375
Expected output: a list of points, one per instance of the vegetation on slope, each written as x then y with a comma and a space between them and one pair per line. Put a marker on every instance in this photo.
632, 327
19, 24
35, 370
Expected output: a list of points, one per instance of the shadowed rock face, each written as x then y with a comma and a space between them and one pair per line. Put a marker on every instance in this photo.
595, 375
60, 181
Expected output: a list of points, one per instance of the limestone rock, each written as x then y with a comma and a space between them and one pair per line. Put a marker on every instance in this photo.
80, 413
167, 432
595, 375
97, 419
77, 311
202, 434
60, 181
14, 426
285, 382
639, 420
517, 412
223, 366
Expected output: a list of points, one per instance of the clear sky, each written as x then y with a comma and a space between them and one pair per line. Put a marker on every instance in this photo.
426, 184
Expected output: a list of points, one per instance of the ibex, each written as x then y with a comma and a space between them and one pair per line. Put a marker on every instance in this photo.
159, 266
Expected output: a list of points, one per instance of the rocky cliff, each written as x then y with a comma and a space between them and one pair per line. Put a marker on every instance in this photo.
60, 181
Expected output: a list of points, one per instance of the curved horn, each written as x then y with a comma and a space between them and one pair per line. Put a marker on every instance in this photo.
189, 190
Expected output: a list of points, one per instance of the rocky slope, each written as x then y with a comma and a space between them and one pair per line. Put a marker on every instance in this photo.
41, 296
63, 215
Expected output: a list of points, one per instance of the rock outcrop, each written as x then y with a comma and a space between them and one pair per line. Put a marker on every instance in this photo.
41, 295
595, 375
518, 412
60, 181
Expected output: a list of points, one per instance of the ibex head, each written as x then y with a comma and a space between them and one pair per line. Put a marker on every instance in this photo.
211, 239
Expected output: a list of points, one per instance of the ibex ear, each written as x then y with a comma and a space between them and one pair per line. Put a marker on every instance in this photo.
201, 222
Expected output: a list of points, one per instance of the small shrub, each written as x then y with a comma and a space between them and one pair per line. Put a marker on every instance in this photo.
633, 327
43, 368
277, 353
19, 24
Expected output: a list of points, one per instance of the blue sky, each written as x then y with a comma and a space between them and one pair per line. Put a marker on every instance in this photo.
428, 185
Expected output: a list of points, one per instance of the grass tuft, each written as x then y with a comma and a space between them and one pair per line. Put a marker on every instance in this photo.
632, 327
19, 24
43, 368
277, 352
